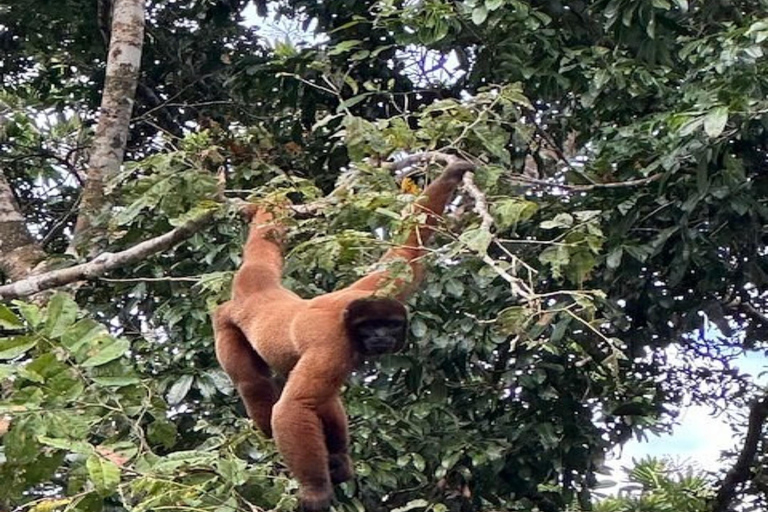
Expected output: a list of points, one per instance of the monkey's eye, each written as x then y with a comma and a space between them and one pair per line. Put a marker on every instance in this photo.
390, 324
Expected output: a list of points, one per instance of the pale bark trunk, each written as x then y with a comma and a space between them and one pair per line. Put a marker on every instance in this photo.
123, 64
19, 252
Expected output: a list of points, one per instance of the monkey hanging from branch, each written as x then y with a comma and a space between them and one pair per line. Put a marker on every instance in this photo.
316, 343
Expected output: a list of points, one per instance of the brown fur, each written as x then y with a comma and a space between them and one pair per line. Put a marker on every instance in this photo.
266, 327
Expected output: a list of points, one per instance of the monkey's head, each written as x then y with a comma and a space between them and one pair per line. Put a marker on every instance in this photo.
376, 325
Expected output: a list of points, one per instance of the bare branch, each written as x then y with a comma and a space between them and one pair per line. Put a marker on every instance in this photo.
519, 288
418, 158
190, 279
741, 470
105, 261
586, 188
446, 159
481, 205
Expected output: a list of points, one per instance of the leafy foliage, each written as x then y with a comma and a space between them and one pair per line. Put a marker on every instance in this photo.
623, 155
657, 486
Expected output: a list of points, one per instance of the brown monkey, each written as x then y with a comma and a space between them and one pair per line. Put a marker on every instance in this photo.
314, 342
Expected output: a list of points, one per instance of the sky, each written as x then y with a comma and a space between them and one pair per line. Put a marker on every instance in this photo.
700, 437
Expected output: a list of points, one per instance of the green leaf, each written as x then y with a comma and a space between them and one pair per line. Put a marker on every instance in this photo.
513, 320
30, 312
477, 240
6, 370
179, 389
580, 266
556, 257
351, 102
62, 313
103, 473
106, 353
614, 258
412, 505
454, 287
8, 320
69, 445
221, 380
479, 15
715, 121
509, 212
11, 348
492, 5
116, 382
690, 126
418, 327
561, 220
233, 471
344, 46
162, 432
83, 333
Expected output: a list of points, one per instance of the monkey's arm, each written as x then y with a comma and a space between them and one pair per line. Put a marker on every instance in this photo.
262, 265
432, 204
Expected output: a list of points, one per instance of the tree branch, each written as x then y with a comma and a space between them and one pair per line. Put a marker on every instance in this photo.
105, 261
519, 288
586, 188
741, 470
446, 159
418, 158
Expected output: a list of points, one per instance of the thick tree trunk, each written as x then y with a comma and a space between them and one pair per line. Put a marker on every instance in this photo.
19, 252
123, 64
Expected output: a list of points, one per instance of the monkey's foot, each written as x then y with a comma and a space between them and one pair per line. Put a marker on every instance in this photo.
315, 501
340, 467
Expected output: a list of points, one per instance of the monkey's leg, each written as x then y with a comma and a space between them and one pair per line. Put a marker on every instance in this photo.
298, 429
334, 419
249, 373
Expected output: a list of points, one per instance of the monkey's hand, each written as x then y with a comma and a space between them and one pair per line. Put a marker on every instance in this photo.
265, 211
455, 170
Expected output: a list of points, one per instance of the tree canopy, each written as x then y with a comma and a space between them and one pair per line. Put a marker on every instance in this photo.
604, 266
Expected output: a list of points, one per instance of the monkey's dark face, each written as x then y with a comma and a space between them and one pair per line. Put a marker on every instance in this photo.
376, 325
374, 337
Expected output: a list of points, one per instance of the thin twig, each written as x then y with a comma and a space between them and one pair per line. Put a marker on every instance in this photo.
149, 279
586, 188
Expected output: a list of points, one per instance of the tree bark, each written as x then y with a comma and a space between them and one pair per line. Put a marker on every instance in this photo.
108, 149
742, 470
19, 252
